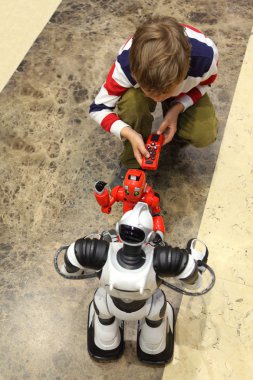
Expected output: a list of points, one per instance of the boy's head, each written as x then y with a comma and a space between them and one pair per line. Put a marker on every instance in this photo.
159, 56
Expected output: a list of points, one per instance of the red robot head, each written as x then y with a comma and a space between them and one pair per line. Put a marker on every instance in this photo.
134, 185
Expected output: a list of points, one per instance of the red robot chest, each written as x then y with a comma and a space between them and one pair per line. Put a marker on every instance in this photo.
127, 205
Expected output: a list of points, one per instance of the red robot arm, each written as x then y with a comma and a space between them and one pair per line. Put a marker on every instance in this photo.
158, 223
153, 200
156, 213
117, 194
104, 198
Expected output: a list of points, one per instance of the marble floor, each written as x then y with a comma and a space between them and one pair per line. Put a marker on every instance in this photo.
51, 155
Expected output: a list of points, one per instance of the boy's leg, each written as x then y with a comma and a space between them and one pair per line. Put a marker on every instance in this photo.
198, 124
134, 108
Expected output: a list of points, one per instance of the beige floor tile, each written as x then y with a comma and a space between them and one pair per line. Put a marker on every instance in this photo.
20, 24
214, 332
214, 335
227, 224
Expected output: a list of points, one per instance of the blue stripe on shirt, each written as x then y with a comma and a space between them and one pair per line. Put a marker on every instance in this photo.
99, 107
201, 58
123, 60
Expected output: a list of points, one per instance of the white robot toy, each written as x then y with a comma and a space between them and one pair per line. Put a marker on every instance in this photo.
129, 271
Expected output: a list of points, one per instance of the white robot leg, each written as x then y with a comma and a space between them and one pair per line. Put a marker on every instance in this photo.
155, 340
105, 338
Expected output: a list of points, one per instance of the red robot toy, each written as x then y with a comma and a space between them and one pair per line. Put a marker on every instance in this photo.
135, 189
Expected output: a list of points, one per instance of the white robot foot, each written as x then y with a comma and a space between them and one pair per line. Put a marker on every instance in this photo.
155, 339
105, 337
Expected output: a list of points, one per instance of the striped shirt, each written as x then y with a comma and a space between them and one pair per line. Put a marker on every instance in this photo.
202, 73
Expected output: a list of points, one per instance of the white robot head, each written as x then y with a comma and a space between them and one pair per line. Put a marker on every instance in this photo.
136, 226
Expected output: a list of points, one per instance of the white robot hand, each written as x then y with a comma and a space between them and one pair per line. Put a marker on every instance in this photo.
64, 271
199, 252
158, 238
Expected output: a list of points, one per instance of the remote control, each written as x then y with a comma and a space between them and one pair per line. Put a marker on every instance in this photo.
153, 145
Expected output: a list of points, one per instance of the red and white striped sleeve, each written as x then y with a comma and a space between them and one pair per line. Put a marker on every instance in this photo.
118, 81
203, 68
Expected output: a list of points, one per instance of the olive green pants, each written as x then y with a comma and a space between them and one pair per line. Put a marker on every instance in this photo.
198, 125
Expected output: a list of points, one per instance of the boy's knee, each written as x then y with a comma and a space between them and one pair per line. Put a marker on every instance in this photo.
132, 96
135, 109
199, 124
205, 135
134, 101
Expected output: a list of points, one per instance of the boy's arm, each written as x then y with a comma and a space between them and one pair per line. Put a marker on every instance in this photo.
203, 68
118, 81
193, 95
137, 143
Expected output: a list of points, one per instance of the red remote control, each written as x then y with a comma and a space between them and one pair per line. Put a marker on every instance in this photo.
153, 145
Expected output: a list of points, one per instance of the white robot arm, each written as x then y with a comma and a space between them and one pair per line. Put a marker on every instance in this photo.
184, 264
85, 253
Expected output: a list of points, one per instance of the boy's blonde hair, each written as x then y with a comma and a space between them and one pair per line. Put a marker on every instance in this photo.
160, 55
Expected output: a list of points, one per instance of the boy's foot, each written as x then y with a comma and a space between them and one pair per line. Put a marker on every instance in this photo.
179, 141
118, 177
151, 176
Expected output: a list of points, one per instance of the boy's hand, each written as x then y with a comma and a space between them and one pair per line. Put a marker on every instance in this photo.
169, 124
137, 143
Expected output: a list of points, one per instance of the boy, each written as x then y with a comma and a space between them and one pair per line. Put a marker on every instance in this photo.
167, 62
